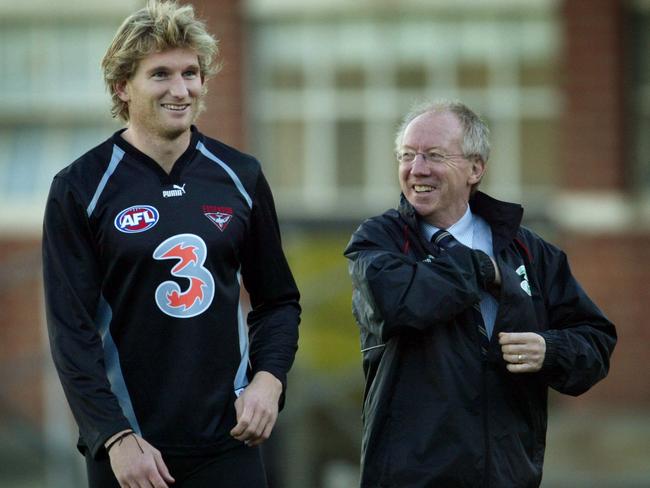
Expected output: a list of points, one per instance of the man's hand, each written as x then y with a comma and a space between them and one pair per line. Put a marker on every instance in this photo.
137, 463
257, 409
523, 351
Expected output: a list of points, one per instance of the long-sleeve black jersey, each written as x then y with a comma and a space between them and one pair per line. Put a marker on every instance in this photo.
142, 273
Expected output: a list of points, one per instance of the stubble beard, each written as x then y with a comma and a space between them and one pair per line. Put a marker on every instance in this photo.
173, 133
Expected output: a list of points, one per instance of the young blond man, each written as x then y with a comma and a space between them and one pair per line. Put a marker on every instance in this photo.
147, 238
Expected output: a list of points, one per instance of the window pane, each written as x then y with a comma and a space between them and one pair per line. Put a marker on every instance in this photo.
24, 151
640, 106
411, 77
286, 77
539, 152
641, 44
472, 75
643, 151
350, 77
538, 73
350, 152
283, 152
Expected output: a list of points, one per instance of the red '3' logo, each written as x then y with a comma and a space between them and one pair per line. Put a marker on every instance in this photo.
191, 252
187, 256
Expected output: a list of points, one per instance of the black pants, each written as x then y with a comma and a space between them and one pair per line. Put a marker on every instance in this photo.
241, 467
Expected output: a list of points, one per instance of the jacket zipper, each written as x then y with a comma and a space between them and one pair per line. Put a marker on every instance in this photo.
486, 473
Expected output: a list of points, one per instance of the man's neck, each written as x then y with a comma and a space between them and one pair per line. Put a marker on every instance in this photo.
457, 228
449, 217
163, 151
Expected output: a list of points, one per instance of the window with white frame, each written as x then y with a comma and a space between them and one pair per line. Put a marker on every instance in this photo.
54, 104
329, 86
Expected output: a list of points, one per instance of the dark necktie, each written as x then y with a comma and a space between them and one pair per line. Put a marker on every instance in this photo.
445, 240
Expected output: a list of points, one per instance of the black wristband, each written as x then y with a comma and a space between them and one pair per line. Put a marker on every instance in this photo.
117, 439
487, 273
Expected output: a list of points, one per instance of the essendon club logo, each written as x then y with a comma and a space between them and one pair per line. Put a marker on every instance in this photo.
219, 216
136, 219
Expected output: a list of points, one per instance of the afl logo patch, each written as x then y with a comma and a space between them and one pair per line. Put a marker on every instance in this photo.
136, 219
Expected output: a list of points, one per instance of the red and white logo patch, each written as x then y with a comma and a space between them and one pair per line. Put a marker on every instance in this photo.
219, 216
136, 219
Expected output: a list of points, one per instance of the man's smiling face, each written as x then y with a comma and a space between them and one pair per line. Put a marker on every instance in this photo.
164, 94
439, 191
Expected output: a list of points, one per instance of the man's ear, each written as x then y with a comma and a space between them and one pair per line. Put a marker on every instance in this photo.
477, 171
122, 90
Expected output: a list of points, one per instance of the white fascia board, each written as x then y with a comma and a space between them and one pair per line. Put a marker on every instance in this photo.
66, 9
22, 221
265, 8
601, 212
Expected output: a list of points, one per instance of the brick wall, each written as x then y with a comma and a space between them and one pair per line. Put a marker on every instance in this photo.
593, 135
21, 336
611, 266
614, 271
225, 117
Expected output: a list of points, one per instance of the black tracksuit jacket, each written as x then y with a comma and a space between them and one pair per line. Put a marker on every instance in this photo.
436, 413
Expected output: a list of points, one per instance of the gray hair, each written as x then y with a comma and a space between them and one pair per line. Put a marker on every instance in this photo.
475, 141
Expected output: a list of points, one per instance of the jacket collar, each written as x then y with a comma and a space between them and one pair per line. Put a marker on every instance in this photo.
408, 213
504, 217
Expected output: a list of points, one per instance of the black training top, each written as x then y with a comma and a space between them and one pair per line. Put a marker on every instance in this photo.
142, 284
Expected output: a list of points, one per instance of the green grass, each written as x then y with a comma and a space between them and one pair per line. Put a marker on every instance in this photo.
329, 338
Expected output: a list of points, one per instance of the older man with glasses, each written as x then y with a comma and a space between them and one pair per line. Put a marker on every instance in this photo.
466, 319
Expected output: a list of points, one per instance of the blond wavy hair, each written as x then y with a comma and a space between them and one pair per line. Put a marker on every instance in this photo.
159, 26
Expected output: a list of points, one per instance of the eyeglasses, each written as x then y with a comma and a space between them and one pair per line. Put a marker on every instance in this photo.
429, 157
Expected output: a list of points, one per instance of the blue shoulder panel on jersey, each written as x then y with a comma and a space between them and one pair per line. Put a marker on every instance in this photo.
116, 157
204, 150
112, 362
241, 379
